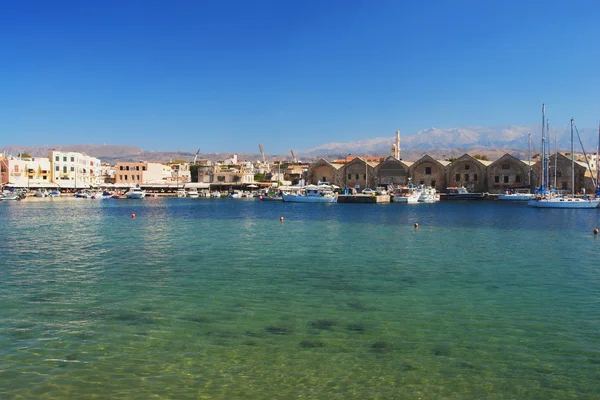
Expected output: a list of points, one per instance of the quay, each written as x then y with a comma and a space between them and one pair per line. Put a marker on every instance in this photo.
364, 198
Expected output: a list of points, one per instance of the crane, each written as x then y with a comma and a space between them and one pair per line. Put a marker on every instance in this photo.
196, 156
294, 159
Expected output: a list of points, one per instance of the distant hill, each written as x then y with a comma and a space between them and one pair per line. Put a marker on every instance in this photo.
440, 143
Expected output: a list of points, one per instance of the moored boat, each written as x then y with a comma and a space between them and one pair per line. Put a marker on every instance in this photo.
312, 194
136, 193
461, 193
516, 195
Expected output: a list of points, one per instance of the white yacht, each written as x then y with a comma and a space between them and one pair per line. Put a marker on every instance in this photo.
193, 193
136, 193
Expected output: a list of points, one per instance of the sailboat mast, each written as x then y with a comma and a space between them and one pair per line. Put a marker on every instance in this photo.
555, 154
544, 161
529, 160
598, 161
572, 161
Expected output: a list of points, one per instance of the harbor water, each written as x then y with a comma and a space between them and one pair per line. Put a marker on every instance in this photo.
219, 299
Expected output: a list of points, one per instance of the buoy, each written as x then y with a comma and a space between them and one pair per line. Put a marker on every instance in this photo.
596, 231
132, 215
281, 219
416, 225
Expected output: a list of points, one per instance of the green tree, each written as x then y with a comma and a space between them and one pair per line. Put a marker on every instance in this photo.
259, 177
194, 173
25, 156
481, 157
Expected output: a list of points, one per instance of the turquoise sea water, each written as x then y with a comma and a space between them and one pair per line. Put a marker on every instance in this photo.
218, 299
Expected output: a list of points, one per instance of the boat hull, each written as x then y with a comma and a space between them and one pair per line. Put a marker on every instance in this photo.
515, 197
564, 203
293, 198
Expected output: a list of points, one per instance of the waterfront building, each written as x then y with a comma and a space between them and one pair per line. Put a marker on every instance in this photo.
508, 172
295, 173
34, 172
392, 171
559, 174
205, 171
107, 173
179, 172
359, 173
138, 173
428, 171
469, 172
324, 171
74, 170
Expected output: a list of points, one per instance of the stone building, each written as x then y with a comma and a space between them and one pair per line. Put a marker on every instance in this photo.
559, 174
324, 171
508, 172
429, 172
469, 172
358, 173
392, 171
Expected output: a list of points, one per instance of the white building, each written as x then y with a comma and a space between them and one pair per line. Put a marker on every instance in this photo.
29, 173
73, 170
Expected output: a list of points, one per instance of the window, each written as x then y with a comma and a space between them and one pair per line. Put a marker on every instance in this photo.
138, 177
121, 168
427, 170
497, 179
72, 169
57, 158
466, 177
505, 166
349, 176
65, 158
57, 168
518, 178
356, 176
64, 169
365, 176
143, 168
457, 178
323, 179
44, 177
505, 178
120, 177
72, 159
475, 177
432, 183
125, 177
137, 168
127, 168
467, 166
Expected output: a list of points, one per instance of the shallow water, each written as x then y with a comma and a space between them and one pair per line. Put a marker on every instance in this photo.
218, 299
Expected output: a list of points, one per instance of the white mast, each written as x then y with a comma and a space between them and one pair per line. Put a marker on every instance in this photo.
572, 162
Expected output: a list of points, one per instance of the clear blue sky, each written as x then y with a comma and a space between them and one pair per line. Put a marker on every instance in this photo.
226, 75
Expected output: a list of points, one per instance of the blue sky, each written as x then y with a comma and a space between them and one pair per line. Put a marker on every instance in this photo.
227, 75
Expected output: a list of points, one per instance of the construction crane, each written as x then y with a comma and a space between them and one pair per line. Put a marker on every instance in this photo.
196, 156
294, 159
262, 151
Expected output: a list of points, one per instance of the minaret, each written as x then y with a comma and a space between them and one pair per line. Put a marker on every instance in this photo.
397, 152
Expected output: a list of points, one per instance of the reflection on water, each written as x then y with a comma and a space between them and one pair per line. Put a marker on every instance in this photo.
219, 299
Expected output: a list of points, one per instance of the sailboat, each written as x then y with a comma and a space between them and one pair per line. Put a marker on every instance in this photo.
546, 199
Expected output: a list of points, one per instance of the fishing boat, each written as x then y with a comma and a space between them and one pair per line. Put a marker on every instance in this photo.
429, 195
312, 194
547, 199
407, 195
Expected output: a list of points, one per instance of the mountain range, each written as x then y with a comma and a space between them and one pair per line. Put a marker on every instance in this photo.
439, 143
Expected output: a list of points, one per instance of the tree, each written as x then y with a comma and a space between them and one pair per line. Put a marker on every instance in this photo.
25, 156
481, 157
194, 173
259, 177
